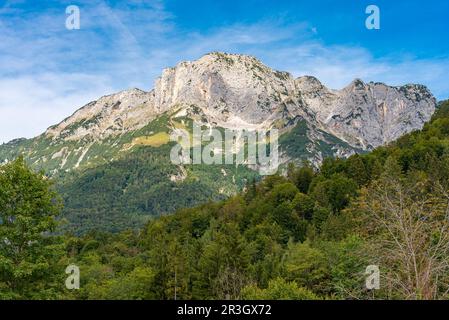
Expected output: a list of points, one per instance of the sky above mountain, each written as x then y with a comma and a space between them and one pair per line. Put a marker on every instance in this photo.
48, 71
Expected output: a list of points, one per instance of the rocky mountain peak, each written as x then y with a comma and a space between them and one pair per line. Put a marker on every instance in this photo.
224, 86
309, 84
108, 115
372, 114
234, 90
358, 84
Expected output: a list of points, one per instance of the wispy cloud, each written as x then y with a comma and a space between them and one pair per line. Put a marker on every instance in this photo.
29, 104
46, 71
337, 66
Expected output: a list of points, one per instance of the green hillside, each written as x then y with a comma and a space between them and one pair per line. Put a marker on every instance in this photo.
309, 235
123, 181
128, 192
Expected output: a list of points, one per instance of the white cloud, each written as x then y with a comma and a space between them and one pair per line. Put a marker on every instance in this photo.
337, 66
47, 72
31, 104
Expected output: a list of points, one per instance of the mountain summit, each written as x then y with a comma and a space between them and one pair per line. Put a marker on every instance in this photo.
234, 91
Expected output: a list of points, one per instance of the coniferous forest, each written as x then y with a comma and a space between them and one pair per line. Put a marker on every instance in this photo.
306, 234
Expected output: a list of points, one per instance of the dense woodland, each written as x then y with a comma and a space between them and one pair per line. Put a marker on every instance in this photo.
128, 192
307, 235
136, 186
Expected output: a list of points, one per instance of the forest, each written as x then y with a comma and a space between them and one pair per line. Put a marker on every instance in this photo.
308, 234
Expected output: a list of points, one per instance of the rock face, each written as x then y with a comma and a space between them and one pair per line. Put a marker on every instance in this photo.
124, 111
238, 91
230, 89
371, 114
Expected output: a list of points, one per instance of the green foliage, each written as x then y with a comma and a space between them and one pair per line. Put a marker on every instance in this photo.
301, 177
306, 266
278, 289
28, 207
128, 192
134, 285
304, 205
334, 192
308, 235
442, 111
245, 246
298, 142
346, 263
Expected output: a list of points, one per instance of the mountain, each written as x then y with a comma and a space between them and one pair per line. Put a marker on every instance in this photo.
111, 157
368, 115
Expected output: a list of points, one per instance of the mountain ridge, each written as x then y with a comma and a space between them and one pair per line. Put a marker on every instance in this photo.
165, 96
234, 91
110, 158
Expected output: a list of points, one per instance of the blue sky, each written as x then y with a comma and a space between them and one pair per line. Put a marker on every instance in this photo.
47, 71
